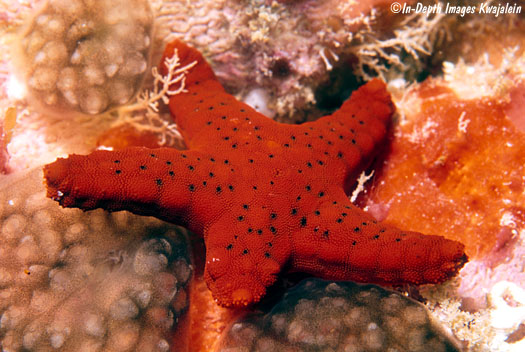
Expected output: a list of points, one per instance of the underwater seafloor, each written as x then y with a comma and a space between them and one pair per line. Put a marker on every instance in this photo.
76, 75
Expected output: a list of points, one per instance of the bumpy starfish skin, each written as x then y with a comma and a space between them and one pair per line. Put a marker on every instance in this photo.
266, 196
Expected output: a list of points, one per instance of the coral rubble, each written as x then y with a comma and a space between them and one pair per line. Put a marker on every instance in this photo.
339, 316
74, 281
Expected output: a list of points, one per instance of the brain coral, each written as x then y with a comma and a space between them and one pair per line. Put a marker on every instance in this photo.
74, 281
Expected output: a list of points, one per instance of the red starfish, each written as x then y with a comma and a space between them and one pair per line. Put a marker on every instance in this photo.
266, 196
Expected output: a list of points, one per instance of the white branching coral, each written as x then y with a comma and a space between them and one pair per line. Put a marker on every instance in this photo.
327, 63
474, 329
487, 329
144, 114
363, 178
175, 75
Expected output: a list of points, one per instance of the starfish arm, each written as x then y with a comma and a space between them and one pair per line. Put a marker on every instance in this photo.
341, 241
158, 182
204, 112
367, 116
356, 133
243, 258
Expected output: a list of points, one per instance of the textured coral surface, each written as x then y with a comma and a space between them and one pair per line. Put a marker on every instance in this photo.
323, 316
86, 56
287, 48
74, 281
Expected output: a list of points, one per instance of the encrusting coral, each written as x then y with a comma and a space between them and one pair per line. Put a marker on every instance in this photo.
327, 316
86, 56
74, 281
264, 195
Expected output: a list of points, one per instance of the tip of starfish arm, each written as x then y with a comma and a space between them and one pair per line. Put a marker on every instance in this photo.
233, 288
453, 259
456, 251
241, 297
460, 260
375, 85
188, 55
54, 175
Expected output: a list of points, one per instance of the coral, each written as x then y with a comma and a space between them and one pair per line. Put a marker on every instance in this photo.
473, 329
504, 262
462, 148
174, 75
85, 55
141, 122
265, 195
491, 79
339, 316
247, 47
496, 327
75, 281
473, 36
508, 302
